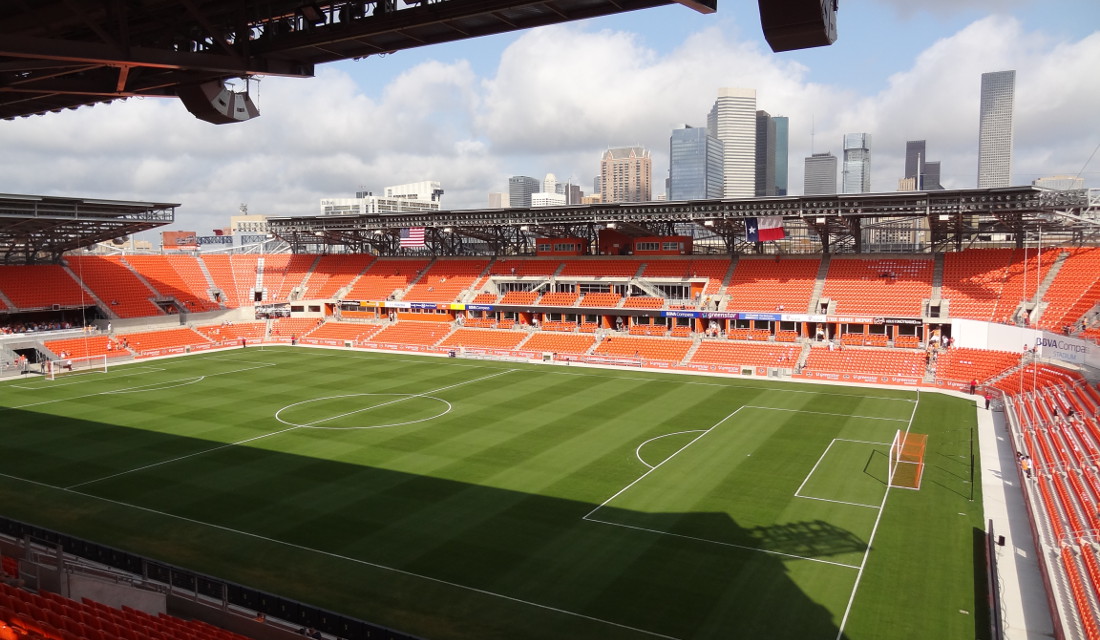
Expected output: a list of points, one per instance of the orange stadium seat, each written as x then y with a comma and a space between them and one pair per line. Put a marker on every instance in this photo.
559, 299
659, 349
1074, 291
870, 361
756, 355
147, 341
601, 300
178, 277
484, 338
600, 268
446, 279
766, 284
562, 343
334, 272
299, 327
520, 297
412, 332
40, 286
962, 364
116, 285
386, 276
644, 302
87, 346
350, 331
879, 286
283, 272
524, 267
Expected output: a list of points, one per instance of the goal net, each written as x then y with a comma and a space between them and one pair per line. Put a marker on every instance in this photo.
69, 366
907, 459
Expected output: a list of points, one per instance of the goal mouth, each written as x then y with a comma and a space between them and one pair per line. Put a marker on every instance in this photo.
907, 459
68, 366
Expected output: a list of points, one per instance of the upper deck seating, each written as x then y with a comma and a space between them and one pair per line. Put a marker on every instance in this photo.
283, 272
116, 285
386, 276
767, 284
1074, 291
166, 275
879, 286
40, 286
334, 272
445, 279
524, 267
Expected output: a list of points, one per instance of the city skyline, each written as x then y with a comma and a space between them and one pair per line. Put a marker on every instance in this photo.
471, 114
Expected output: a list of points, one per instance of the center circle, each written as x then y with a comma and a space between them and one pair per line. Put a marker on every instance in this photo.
412, 408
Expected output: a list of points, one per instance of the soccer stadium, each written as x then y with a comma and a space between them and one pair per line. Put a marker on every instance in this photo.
851, 416
612, 434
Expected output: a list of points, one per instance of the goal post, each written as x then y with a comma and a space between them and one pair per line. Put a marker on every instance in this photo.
68, 366
907, 459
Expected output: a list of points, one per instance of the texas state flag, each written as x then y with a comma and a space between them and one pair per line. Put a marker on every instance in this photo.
764, 229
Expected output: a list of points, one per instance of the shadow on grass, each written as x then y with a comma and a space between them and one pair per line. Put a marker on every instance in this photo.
430, 556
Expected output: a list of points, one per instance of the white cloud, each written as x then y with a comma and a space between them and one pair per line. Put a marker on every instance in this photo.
558, 97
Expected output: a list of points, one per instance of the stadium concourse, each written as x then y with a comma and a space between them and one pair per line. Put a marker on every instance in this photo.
1014, 327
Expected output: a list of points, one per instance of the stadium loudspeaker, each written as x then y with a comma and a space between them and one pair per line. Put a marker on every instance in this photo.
798, 24
216, 103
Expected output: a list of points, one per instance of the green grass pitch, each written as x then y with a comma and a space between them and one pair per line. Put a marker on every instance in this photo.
459, 499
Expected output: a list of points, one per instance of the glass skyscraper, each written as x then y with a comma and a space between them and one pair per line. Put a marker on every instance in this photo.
695, 165
995, 129
857, 163
765, 154
520, 189
782, 136
820, 176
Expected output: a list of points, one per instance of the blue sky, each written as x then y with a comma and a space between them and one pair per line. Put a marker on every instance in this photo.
469, 114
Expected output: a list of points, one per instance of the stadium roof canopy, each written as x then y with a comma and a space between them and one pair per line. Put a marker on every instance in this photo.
41, 228
64, 54
815, 224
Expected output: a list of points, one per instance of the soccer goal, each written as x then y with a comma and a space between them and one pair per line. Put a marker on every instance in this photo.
907, 459
69, 366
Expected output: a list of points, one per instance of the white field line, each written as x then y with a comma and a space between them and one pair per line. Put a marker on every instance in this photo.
409, 397
337, 556
798, 491
137, 371
638, 451
871, 539
825, 413
247, 440
726, 544
658, 465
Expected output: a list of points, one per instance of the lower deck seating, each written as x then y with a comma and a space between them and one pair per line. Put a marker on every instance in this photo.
658, 349
413, 332
287, 327
150, 341
960, 363
869, 361
349, 331
87, 347
484, 338
233, 332
53, 617
561, 343
758, 355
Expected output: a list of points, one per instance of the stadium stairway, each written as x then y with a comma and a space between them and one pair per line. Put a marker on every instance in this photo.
1040, 294
211, 286
141, 278
819, 284
5, 302
696, 341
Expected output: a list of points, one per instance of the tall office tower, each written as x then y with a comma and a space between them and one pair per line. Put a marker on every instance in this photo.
498, 200
597, 185
857, 163
782, 137
820, 176
573, 193
765, 155
925, 175
931, 179
695, 165
995, 129
625, 175
520, 189
550, 183
732, 120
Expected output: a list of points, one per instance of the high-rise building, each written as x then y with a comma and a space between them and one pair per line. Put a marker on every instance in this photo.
764, 180
925, 174
544, 199
426, 191
520, 189
820, 176
498, 200
550, 183
572, 192
995, 129
782, 142
732, 120
695, 165
625, 175
857, 163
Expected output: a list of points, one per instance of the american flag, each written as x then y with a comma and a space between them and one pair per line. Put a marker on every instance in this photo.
412, 237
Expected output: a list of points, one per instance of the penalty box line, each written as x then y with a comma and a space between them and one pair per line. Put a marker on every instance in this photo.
589, 516
337, 556
259, 437
798, 491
